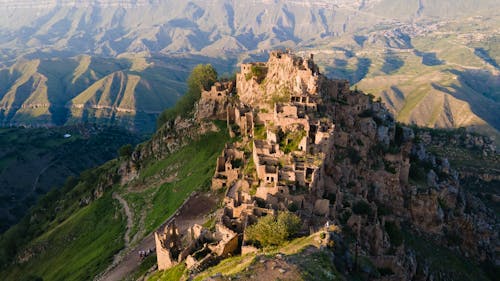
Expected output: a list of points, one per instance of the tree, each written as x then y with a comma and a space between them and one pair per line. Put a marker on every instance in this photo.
125, 150
273, 231
202, 77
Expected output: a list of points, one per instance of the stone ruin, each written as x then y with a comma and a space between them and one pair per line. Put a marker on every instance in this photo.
290, 155
286, 160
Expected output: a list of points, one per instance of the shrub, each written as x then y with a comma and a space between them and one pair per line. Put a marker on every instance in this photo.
125, 151
395, 234
353, 155
257, 71
361, 208
273, 231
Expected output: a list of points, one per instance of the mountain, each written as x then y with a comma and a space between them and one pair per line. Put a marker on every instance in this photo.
371, 199
114, 27
434, 63
128, 92
442, 74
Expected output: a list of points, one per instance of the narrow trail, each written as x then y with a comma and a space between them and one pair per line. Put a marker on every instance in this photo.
128, 213
35, 183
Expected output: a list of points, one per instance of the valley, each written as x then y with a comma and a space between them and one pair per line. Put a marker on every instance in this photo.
35, 161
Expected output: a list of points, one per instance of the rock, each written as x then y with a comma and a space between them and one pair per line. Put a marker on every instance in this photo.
431, 179
322, 207
383, 135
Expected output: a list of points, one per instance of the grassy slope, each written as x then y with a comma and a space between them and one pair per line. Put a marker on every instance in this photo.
79, 247
82, 245
188, 169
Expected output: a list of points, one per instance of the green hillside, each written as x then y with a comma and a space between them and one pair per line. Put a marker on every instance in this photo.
74, 234
32, 161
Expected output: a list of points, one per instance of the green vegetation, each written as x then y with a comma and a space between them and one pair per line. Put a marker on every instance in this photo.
273, 231
93, 234
281, 96
79, 247
172, 274
256, 71
229, 266
317, 266
446, 263
202, 77
259, 132
193, 165
290, 140
125, 151
35, 160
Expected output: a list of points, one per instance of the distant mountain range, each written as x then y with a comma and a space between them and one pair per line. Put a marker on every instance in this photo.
129, 92
433, 62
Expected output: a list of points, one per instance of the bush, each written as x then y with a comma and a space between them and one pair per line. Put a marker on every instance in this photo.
273, 231
125, 151
395, 234
257, 71
362, 208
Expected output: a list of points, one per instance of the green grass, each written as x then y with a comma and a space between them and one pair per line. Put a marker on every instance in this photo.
442, 260
316, 266
229, 266
196, 163
172, 274
80, 247
259, 132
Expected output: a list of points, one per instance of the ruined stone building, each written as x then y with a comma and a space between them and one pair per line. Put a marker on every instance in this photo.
308, 144
274, 108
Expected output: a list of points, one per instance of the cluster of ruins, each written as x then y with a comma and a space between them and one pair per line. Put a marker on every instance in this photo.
277, 112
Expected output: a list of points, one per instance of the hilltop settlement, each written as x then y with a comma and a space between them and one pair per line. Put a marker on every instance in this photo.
310, 145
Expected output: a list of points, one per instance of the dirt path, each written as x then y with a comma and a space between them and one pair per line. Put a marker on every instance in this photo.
35, 183
130, 217
192, 211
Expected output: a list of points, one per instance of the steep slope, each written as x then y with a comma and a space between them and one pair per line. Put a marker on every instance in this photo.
385, 208
73, 234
